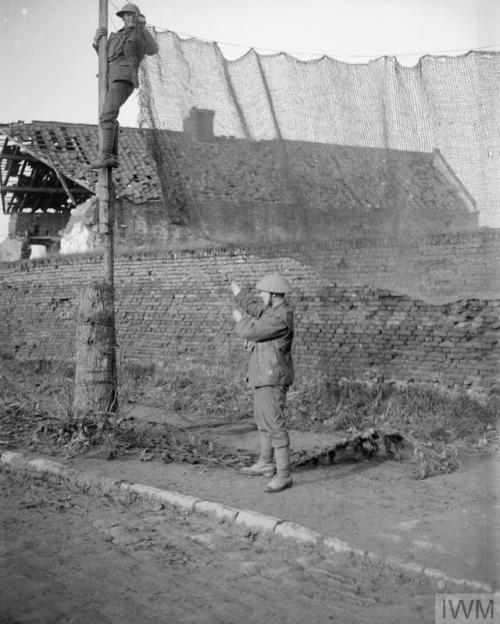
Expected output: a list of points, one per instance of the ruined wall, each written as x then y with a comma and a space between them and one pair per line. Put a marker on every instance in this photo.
437, 268
136, 226
141, 224
38, 224
170, 307
10, 249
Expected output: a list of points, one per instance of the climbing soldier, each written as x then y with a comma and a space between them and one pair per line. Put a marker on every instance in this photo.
126, 49
267, 323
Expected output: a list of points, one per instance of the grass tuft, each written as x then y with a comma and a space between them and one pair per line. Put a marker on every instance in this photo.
36, 408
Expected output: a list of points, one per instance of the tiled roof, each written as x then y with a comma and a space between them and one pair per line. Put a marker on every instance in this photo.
71, 147
335, 177
237, 171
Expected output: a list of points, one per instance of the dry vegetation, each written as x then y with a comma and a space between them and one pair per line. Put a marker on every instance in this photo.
434, 428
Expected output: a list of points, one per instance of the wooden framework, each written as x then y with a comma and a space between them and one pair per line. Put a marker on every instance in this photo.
28, 184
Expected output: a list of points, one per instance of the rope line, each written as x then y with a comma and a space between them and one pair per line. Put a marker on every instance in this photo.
302, 53
295, 52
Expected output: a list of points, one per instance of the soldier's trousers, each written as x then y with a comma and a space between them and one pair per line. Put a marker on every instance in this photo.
118, 93
269, 413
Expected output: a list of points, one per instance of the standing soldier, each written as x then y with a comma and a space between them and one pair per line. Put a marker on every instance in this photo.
126, 49
267, 323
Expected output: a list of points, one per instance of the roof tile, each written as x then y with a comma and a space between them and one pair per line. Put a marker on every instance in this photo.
72, 147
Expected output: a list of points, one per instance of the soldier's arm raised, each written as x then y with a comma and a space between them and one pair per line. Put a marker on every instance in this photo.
149, 42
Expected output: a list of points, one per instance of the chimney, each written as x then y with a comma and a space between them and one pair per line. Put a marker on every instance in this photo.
200, 124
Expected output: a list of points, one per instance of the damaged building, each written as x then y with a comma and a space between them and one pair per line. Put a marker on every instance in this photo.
45, 177
220, 188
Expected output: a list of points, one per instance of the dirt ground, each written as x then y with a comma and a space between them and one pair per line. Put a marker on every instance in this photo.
450, 522
145, 565
70, 558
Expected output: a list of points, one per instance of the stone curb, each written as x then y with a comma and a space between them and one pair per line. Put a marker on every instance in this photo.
242, 517
257, 520
292, 530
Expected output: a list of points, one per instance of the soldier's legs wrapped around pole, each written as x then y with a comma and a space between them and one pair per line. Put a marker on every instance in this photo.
115, 142
118, 93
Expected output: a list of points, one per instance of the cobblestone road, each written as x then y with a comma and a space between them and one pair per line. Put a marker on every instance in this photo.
67, 557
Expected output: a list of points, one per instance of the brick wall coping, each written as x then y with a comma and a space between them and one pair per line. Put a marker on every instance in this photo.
484, 234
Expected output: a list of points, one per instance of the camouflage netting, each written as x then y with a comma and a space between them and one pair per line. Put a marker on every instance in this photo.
322, 149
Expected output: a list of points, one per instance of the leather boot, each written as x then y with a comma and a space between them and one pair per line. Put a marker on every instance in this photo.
283, 478
115, 145
264, 465
259, 469
106, 157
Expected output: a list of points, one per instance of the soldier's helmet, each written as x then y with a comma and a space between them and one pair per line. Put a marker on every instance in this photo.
129, 8
274, 283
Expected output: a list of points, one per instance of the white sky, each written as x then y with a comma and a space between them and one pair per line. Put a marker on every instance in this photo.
49, 67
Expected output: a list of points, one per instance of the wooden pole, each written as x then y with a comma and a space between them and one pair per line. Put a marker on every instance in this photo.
105, 190
95, 378
96, 371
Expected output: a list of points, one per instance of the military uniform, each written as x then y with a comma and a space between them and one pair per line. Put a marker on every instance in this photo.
270, 370
269, 331
126, 49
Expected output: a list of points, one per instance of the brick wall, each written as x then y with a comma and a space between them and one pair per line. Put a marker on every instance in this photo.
437, 267
176, 306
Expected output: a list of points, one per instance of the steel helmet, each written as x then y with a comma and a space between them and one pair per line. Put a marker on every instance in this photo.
274, 283
128, 8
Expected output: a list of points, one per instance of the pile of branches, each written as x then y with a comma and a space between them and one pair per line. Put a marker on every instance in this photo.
429, 461
110, 436
372, 442
18, 420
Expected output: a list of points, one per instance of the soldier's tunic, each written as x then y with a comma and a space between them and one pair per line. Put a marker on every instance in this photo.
270, 370
126, 49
